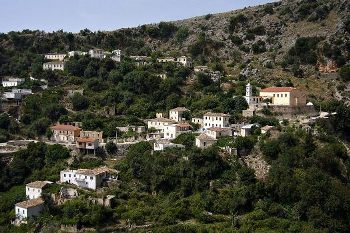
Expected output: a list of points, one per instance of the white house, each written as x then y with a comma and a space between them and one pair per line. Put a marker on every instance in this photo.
55, 56
173, 131
86, 178
198, 121
177, 114
17, 94
34, 189
97, 53
159, 123
12, 82
247, 129
204, 141
116, 55
216, 132
161, 145
78, 53
184, 61
28, 209
54, 65
220, 120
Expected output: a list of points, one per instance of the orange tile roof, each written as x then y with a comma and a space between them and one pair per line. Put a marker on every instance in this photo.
278, 89
65, 127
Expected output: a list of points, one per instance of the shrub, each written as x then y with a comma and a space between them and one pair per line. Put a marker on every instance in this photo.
80, 102
236, 21
344, 73
236, 40
259, 47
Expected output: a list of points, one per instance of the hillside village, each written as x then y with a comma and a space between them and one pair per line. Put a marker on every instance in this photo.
116, 138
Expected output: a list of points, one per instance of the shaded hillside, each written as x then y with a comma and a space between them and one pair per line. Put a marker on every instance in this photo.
263, 37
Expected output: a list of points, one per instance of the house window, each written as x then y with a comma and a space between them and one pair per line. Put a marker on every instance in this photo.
278, 95
285, 95
91, 178
274, 95
64, 175
69, 175
85, 177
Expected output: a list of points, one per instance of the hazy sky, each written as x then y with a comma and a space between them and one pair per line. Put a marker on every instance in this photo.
74, 15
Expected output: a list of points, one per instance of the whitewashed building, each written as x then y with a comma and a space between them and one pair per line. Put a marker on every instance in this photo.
54, 65
204, 141
116, 55
17, 94
220, 120
76, 53
34, 189
246, 130
86, 178
161, 145
159, 123
28, 209
197, 121
184, 61
55, 56
12, 82
173, 131
177, 114
97, 53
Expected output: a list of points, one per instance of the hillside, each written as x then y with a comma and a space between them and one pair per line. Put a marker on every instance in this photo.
130, 144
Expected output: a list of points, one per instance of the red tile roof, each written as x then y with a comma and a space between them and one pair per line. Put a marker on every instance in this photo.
278, 89
65, 127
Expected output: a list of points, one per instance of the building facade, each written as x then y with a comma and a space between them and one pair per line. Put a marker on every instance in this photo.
55, 65
204, 141
97, 53
220, 120
34, 189
55, 56
86, 178
12, 82
284, 96
28, 209
173, 131
65, 133
177, 114
159, 123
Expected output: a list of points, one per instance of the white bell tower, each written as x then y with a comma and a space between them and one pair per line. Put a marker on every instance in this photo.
249, 93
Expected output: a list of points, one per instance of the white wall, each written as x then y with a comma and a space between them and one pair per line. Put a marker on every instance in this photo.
33, 193
215, 121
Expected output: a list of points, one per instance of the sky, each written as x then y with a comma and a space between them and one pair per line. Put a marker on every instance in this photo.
105, 15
